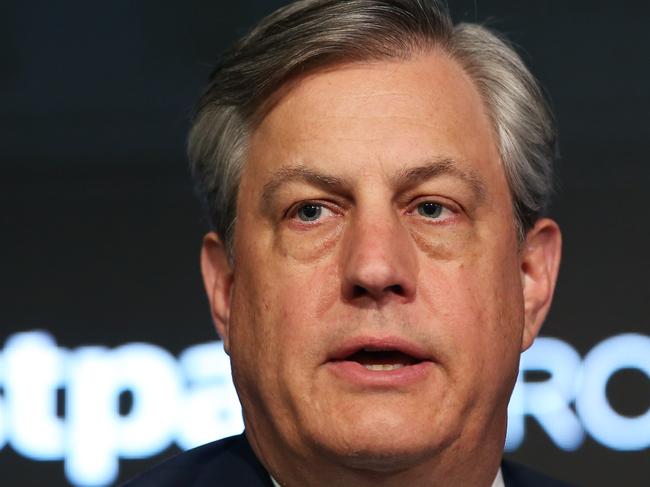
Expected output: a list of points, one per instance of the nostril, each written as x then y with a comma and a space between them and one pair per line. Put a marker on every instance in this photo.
396, 289
359, 291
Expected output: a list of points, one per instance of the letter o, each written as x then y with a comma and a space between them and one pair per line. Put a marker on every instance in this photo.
602, 422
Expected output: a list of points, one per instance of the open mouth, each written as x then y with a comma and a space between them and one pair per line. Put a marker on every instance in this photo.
382, 360
379, 354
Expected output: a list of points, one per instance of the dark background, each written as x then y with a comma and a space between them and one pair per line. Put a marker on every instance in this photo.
100, 230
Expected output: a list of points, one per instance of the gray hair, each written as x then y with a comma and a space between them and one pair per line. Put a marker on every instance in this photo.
309, 34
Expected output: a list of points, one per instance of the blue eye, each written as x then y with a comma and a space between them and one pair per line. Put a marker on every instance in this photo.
429, 209
310, 212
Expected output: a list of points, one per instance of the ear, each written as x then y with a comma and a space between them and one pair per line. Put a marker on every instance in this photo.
217, 278
540, 262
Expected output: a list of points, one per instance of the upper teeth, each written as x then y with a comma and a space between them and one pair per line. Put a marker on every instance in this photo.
383, 366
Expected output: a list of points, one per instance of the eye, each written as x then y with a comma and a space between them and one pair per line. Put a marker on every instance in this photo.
429, 209
309, 212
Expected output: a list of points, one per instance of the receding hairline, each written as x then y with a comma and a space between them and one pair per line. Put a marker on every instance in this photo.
327, 64
428, 167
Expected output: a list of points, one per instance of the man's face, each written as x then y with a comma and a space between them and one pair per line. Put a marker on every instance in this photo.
376, 308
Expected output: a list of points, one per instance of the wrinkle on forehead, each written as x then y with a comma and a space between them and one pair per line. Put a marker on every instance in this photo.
354, 86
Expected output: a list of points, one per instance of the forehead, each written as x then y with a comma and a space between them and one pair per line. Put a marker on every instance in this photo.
381, 115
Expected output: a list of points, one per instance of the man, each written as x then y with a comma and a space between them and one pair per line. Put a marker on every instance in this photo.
376, 179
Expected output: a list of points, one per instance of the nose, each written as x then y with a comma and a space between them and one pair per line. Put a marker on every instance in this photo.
379, 262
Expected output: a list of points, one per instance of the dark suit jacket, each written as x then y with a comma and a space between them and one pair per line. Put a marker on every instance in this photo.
231, 463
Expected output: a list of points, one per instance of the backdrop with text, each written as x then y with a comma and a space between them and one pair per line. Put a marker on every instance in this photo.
108, 358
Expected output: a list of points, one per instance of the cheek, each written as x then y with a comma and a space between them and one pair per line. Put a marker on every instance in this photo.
283, 306
277, 338
475, 307
289, 274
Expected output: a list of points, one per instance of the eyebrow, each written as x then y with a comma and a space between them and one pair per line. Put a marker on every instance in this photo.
406, 178
301, 173
436, 167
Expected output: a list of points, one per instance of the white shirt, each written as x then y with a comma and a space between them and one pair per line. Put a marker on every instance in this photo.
498, 481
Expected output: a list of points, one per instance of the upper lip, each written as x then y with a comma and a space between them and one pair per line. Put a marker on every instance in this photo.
375, 344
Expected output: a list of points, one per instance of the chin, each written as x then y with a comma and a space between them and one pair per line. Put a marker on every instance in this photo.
385, 457
385, 442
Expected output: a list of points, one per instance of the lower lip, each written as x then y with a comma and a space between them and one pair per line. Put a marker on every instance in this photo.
357, 374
